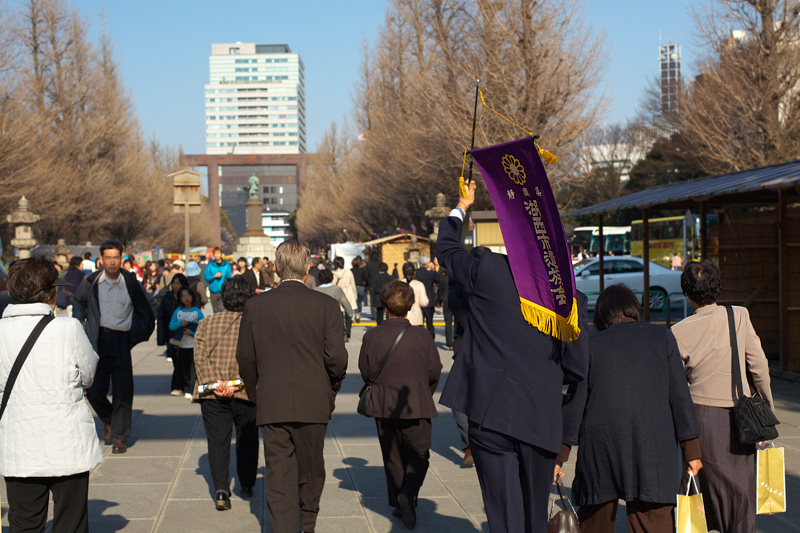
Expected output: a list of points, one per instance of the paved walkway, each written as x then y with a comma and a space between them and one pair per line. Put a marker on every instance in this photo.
163, 482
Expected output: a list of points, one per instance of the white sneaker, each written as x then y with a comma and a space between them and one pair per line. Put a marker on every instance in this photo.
188, 395
169, 359
176, 392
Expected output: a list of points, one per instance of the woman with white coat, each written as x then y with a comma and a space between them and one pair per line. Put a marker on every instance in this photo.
343, 278
420, 295
48, 440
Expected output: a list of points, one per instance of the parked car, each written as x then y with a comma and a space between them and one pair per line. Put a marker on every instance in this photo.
630, 272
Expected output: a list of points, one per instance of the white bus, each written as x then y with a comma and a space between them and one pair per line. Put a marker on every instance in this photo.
617, 240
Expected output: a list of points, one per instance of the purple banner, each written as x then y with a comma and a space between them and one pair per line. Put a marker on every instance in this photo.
533, 235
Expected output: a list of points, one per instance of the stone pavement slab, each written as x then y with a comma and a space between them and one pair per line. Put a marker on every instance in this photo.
163, 483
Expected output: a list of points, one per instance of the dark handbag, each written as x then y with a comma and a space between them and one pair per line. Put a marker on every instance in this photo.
753, 419
23, 355
365, 395
566, 520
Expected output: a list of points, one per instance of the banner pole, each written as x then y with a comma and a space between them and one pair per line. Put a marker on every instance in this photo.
474, 121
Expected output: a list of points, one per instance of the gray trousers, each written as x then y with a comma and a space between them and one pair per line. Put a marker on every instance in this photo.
216, 302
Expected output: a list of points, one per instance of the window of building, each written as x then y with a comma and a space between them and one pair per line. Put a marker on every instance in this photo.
233, 50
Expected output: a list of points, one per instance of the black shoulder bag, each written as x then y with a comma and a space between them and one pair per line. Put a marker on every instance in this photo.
753, 419
23, 354
365, 395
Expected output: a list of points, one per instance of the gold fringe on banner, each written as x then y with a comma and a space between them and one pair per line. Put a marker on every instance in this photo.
551, 323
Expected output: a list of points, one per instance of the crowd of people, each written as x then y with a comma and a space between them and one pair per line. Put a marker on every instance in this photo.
648, 407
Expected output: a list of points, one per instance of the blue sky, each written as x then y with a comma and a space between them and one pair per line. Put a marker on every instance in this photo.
163, 49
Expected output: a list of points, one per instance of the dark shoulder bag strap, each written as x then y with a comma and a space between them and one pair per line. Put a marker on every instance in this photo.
385, 359
23, 355
738, 388
226, 332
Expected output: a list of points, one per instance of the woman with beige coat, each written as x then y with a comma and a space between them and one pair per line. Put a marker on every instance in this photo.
728, 478
343, 278
420, 295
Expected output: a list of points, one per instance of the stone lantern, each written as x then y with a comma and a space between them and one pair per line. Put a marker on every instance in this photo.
413, 250
436, 214
62, 253
23, 236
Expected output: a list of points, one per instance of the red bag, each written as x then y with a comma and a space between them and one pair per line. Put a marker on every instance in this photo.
565, 521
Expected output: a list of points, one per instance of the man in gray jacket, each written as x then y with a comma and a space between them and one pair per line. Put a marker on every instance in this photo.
117, 313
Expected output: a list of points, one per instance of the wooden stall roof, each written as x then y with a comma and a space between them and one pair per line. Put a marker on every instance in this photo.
753, 186
399, 236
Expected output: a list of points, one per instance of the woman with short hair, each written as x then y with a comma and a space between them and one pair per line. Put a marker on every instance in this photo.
343, 279
73, 276
420, 294
401, 401
48, 440
225, 407
630, 417
729, 474
327, 286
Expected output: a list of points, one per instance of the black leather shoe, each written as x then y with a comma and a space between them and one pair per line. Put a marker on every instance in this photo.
247, 492
407, 509
397, 512
223, 501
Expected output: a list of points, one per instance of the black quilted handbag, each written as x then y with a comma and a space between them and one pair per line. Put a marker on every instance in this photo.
753, 418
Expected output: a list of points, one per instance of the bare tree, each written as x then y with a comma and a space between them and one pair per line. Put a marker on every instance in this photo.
743, 109
538, 62
69, 140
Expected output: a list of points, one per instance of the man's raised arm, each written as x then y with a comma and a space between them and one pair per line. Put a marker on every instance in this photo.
460, 264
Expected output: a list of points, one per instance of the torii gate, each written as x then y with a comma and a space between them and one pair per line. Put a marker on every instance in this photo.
213, 162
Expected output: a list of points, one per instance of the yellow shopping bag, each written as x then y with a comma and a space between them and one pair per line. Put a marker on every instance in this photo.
690, 515
770, 481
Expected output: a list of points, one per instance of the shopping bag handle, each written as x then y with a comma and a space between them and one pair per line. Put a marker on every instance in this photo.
689, 485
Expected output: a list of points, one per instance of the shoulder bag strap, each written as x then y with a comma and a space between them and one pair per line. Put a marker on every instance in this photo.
396, 342
23, 355
220, 338
738, 388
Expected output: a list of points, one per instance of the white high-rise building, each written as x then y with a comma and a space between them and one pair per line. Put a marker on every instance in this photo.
255, 100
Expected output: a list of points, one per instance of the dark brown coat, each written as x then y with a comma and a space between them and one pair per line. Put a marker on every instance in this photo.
405, 387
291, 354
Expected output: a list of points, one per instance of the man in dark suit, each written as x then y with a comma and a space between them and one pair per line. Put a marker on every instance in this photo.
255, 277
292, 359
507, 379
378, 282
428, 276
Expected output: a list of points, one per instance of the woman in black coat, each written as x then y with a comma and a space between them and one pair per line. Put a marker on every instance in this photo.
402, 397
629, 417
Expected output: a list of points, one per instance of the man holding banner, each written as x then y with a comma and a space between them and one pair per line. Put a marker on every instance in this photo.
523, 341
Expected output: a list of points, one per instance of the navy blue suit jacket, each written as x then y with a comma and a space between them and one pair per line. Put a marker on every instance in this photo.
507, 375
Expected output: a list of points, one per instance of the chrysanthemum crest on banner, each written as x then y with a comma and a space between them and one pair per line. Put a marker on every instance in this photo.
514, 169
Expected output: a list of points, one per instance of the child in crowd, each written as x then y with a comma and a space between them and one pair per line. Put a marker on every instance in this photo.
184, 321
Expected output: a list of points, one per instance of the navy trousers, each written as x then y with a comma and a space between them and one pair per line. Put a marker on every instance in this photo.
515, 480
